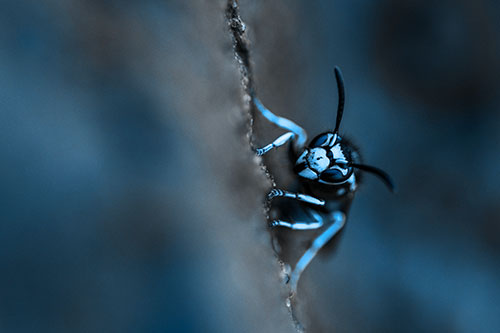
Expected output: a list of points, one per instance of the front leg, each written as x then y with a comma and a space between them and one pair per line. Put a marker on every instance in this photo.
339, 219
300, 133
276, 193
276, 143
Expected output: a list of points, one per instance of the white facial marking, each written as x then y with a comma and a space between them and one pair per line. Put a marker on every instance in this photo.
337, 152
330, 140
318, 160
302, 157
308, 173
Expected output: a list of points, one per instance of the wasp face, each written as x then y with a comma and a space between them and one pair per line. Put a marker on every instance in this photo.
325, 160
317, 159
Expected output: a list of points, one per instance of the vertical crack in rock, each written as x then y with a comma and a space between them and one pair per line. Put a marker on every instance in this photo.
241, 51
242, 55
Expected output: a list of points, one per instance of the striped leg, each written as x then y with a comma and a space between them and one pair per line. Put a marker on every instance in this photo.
276, 193
296, 225
339, 219
300, 133
276, 143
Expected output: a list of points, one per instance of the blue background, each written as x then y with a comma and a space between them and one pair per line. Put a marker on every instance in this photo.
128, 196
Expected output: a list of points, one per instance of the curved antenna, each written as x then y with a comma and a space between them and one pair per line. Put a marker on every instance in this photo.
340, 86
378, 172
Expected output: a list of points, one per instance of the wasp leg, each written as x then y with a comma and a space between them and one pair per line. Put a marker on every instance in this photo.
316, 224
339, 219
297, 225
275, 193
300, 133
276, 143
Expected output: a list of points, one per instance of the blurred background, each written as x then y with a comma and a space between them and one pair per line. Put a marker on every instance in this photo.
131, 202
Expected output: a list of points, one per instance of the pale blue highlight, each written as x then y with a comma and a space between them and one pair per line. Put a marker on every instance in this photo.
276, 143
301, 135
339, 219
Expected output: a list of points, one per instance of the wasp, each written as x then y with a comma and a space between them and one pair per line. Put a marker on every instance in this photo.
328, 170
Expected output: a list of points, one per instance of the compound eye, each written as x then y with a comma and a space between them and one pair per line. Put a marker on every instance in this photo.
322, 140
335, 175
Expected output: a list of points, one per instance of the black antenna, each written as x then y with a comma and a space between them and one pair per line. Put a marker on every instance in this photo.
340, 86
378, 172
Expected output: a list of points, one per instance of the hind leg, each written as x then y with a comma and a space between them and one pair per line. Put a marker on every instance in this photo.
338, 221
